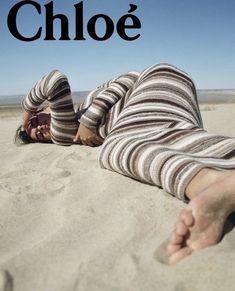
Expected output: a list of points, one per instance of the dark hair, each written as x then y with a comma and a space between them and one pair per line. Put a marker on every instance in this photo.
21, 137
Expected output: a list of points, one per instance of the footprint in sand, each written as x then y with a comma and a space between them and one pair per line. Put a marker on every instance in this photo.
75, 159
6, 281
32, 182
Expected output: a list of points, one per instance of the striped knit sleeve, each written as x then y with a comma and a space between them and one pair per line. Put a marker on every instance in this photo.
104, 101
44, 90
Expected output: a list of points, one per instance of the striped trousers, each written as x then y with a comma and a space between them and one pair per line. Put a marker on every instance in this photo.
153, 134
158, 137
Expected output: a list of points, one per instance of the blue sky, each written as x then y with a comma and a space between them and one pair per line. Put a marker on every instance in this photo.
197, 36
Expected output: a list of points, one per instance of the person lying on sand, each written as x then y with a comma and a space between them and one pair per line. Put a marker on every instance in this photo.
149, 127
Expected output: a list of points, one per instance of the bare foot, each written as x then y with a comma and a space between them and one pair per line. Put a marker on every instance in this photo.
201, 222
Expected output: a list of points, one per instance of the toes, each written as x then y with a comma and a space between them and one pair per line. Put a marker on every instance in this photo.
181, 229
179, 255
179, 233
172, 248
175, 238
176, 249
187, 217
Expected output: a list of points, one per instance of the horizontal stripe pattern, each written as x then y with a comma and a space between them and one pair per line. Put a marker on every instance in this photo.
54, 88
150, 121
108, 95
158, 137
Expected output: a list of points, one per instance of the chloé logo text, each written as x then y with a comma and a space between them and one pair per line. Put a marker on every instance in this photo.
126, 27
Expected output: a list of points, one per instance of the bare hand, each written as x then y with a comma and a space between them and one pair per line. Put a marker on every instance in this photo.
87, 136
26, 117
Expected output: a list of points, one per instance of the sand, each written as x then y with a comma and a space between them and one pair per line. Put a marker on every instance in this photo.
67, 225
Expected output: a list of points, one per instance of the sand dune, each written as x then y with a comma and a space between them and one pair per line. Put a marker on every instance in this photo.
67, 225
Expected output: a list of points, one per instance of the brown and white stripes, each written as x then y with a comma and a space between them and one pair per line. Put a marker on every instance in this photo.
55, 88
150, 121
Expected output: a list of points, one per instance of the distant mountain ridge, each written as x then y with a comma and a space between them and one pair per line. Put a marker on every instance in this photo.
216, 95
204, 96
78, 96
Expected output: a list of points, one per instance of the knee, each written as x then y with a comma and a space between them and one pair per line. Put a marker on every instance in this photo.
167, 69
150, 71
164, 67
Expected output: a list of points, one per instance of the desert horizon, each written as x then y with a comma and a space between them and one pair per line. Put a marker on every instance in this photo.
204, 96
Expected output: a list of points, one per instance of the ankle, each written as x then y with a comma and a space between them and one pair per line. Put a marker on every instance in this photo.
201, 181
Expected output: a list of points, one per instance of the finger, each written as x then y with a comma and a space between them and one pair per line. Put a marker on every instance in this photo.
100, 139
89, 143
83, 141
26, 117
96, 141
78, 141
77, 138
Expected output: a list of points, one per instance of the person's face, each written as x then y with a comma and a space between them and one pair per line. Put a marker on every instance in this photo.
39, 127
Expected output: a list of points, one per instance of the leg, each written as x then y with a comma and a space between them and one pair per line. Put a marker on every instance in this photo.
155, 114
201, 223
158, 137
155, 141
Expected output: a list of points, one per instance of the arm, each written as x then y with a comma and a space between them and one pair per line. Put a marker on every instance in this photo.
87, 136
45, 89
104, 101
